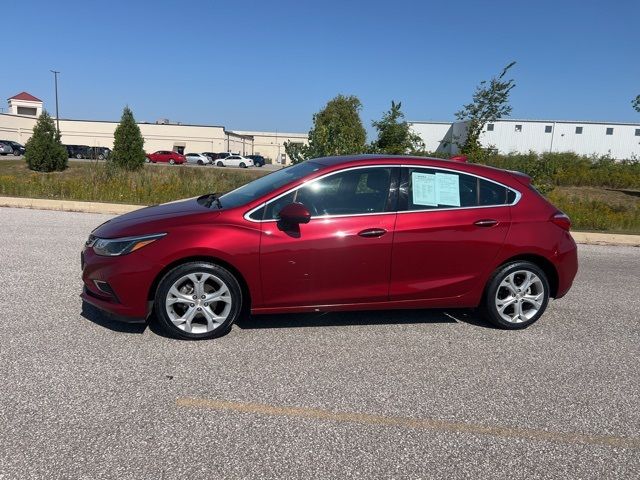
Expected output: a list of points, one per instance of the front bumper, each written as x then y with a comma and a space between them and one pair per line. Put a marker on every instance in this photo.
129, 278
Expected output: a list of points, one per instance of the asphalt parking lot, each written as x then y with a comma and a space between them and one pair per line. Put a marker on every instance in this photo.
403, 394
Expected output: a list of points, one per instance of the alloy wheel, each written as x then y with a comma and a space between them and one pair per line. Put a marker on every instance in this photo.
520, 296
198, 302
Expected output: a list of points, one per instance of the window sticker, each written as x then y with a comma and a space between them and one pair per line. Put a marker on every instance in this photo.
447, 189
424, 189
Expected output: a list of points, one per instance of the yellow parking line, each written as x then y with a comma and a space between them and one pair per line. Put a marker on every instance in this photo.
413, 423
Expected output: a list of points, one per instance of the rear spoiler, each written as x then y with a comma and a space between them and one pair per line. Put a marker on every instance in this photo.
523, 178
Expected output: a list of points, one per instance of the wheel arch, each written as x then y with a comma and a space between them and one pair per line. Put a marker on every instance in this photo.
202, 258
541, 262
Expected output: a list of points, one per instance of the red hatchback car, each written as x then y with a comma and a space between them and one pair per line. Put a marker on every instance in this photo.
338, 233
166, 156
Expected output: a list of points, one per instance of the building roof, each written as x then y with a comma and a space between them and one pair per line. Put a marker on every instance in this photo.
522, 120
25, 96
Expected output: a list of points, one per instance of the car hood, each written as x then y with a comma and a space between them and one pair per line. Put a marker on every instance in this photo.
156, 219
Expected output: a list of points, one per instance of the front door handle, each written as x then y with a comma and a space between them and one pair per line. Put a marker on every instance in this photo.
486, 222
372, 232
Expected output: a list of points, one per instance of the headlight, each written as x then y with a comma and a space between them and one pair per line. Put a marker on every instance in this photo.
113, 247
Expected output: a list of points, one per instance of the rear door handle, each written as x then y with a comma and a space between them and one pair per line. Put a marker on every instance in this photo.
372, 232
486, 222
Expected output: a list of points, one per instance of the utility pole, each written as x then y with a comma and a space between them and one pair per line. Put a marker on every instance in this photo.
55, 75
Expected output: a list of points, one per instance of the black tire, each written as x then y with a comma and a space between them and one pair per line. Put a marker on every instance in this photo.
220, 164
78, 156
172, 162
489, 306
242, 165
197, 267
200, 162
100, 157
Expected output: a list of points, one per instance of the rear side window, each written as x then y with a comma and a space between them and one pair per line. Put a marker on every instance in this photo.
428, 189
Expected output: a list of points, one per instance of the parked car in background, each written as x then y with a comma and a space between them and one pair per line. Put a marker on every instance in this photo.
235, 161
5, 148
99, 153
258, 160
198, 159
17, 149
338, 233
78, 151
166, 156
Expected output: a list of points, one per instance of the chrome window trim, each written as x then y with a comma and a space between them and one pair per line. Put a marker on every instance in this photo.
304, 184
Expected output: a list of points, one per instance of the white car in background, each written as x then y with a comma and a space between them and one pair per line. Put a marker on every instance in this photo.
198, 159
234, 161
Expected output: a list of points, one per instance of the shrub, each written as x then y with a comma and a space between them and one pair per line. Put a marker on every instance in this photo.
128, 152
44, 152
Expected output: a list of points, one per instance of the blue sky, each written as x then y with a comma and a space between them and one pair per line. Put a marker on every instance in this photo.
270, 65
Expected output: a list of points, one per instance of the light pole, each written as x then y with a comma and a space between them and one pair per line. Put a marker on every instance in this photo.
55, 76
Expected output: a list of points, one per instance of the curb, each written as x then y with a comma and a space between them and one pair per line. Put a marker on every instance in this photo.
588, 238
68, 205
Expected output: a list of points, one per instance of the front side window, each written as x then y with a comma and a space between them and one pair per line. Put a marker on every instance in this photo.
352, 192
430, 189
263, 185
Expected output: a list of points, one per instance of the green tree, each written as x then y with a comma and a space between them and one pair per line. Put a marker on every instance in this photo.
296, 151
337, 129
394, 135
635, 103
490, 103
128, 152
44, 151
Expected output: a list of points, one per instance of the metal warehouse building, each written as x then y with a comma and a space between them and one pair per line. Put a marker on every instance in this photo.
618, 140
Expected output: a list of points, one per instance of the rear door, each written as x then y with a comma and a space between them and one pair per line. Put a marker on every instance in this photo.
343, 255
450, 227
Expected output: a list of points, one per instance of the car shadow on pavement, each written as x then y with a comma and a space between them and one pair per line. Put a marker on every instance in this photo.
98, 317
378, 317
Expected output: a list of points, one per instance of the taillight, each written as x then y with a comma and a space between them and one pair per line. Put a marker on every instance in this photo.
562, 220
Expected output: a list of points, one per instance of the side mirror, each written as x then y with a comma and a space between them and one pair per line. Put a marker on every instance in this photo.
294, 214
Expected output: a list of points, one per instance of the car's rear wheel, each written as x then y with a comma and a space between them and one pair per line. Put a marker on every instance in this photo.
78, 156
172, 161
197, 301
101, 157
242, 165
516, 296
220, 164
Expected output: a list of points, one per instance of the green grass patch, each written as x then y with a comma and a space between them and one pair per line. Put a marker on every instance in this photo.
599, 209
98, 183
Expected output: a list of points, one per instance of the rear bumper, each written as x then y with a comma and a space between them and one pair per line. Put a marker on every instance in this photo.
566, 265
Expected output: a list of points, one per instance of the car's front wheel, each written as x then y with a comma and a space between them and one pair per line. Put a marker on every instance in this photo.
220, 164
198, 301
516, 296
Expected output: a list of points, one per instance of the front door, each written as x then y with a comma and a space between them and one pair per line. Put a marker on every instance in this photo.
343, 255
449, 230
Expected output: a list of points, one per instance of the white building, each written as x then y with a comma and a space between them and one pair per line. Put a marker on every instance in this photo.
618, 140
25, 104
17, 125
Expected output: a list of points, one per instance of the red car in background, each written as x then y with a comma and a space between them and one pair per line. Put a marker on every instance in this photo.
339, 233
166, 156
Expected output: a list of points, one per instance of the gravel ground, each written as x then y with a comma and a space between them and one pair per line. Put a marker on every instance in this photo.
442, 394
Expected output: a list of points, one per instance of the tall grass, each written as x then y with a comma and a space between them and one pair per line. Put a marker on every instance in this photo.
98, 182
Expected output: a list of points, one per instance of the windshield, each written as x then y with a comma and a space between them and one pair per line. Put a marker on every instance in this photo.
268, 183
